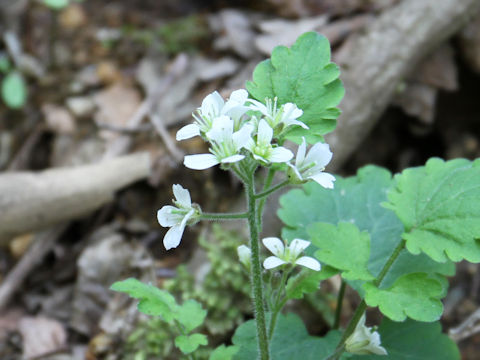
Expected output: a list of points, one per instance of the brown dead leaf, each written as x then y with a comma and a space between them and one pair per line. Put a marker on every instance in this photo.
116, 105
9, 321
20, 244
58, 119
72, 17
41, 336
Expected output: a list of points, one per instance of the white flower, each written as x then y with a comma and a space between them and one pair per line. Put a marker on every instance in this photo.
225, 145
212, 107
312, 165
262, 148
288, 255
244, 255
176, 217
364, 341
287, 114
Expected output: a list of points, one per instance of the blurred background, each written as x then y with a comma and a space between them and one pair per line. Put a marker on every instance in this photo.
94, 92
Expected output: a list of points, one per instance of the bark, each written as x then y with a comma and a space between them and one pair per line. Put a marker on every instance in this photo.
32, 201
376, 62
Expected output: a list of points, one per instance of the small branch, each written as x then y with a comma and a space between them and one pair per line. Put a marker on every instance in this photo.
272, 189
338, 310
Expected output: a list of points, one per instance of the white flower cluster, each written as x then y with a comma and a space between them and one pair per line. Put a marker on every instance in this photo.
234, 131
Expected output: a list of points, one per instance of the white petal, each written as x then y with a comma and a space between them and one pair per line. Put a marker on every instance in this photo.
272, 262
308, 262
324, 179
173, 237
320, 154
297, 246
212, 104
290, 122
275, 245
258, 106
280, 154
232, 159
295, 170
239, 96
242, 136
291, 111
187, 132
301, 152
244, 254
222, 129
265, 133
182, 195
200, 161
166, 218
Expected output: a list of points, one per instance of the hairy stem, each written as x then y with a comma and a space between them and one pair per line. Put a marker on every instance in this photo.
261, 203
233, 216
256, 274
363, 306
271, 190
276, 308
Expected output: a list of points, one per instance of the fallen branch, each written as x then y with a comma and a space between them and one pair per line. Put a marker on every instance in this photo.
374, 63
33, 201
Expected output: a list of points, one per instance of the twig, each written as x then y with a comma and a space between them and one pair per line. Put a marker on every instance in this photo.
141, 128
468, 327
41, 245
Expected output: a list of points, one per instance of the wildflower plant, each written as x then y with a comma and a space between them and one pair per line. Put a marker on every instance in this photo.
394, 240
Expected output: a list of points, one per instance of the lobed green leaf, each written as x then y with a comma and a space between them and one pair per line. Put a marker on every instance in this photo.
190, 315
343, 247
153, 301
224, 352
414, 341
414, 295
189, 343
304, 75
439, 207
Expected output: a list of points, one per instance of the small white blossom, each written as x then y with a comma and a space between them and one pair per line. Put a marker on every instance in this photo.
364, 341
176, 217
244, 255
212, 107
262, 148
225, 145
312, 165
289, 254
287, 114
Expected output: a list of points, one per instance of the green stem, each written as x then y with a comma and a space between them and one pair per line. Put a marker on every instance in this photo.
180, 329
272, 189
363, 306
261, 203
211, 216
276, 308
256, 274
338, 310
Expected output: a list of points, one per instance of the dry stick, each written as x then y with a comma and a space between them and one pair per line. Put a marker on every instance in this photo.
467, 328
378, 60
42, 243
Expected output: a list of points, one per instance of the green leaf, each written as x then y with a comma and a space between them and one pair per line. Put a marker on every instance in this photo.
153, 301
439, 207
290, 341
414, 341
305, 76
224, 352
343, 247
190, 315
189, 343
356, 200
56, 4
14, 90
4, 63
414, 295
307, 281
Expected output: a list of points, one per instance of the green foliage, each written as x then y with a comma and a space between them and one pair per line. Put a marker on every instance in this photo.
307, 282
225, 289
305, 76
414, 295
290, 341
224, 353
14, 90
439, 207
56, 4
5, 65
343, 247
153, 301
414, 340
156, 302
189, 343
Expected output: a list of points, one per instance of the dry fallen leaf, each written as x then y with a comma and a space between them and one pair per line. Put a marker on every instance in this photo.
41, 336
58, 119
